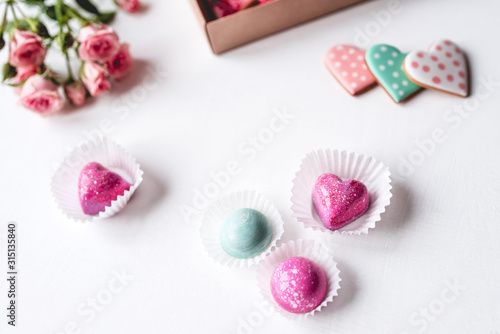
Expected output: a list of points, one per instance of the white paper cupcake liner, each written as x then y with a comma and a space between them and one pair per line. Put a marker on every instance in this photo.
220, 209
374, 175
305, 248
104, 151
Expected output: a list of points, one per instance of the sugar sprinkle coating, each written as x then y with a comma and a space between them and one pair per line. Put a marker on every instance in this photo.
298, 285
98, 187
338, 202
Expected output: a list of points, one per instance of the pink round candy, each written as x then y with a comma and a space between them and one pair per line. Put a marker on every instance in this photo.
298, 285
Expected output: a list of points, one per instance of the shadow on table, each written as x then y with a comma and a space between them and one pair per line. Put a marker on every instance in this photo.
399, 212
144, 73
145, 76
70, 108
347, 292
149, 193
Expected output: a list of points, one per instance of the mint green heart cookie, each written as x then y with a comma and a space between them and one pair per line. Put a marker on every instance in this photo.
386, 64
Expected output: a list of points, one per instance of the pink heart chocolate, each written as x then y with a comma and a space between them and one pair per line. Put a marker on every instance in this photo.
338, 202
98, 187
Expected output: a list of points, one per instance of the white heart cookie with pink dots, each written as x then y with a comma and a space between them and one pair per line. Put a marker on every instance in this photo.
443, 68
347, 65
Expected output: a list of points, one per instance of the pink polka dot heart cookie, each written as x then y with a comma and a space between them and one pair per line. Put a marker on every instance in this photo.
347, 65
443, 68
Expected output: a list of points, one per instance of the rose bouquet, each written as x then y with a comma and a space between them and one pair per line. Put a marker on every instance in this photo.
81, 35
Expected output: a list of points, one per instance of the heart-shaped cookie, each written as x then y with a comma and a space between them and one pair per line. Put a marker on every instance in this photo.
443, 68
386, 64
338, 202
98, 187
347, 65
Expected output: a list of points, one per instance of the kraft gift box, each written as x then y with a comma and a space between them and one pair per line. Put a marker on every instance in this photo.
259, 21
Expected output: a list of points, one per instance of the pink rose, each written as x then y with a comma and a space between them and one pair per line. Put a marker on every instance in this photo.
76, 93
97, 43
40, 95
26, 49
22, 74
121, 63
94, 78
130, 6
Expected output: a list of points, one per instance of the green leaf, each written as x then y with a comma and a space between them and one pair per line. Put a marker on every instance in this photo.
41, 30
51, 12
73, 13
8, 71
2, 42
65, 41
81, 73
18, 84
20, 24
107, 17
32, 24
88, 6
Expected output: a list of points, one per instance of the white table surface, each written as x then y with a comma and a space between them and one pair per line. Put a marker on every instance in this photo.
441, 229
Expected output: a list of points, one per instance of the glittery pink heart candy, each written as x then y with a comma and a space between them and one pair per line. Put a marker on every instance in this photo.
347, 65
98, 187
338, 202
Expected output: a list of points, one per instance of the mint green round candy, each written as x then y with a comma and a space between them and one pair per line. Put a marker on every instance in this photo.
245, 233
